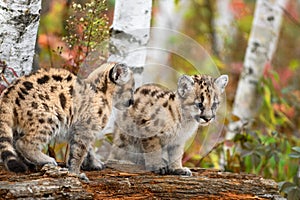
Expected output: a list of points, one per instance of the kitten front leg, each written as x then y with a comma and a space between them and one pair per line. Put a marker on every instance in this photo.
91, 162
175, 161
79, 146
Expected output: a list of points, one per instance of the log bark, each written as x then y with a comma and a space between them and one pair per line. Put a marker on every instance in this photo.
136, 184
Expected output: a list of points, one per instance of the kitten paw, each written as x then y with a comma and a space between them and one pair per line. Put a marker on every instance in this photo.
48, 161
96, 165
83, 178
162, 171
182, 172
80, 176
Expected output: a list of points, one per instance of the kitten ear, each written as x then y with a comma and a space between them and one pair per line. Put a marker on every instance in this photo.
185, 85
119, 74
221, 82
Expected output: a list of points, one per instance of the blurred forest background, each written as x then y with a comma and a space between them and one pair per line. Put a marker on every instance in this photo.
269, 147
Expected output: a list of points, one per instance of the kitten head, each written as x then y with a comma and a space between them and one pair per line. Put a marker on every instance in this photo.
115, 81
122, 77
201, 96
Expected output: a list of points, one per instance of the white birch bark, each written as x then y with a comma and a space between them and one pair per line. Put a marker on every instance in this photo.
19, 20
130, 34
169, 16
261, 47
224, 26
262, 44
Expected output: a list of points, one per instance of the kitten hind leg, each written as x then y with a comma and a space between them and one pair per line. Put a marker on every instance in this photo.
30, 149
154, 155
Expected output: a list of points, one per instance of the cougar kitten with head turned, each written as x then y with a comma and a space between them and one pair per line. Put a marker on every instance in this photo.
55, 103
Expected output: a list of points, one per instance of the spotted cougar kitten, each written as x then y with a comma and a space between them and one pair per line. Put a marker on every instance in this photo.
154, 130
55, 103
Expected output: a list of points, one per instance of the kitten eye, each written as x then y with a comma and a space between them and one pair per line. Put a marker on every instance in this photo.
199, 105
214, 105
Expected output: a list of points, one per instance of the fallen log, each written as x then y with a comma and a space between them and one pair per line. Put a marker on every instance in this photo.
112, 183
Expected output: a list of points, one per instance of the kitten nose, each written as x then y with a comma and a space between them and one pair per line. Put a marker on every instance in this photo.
207, 118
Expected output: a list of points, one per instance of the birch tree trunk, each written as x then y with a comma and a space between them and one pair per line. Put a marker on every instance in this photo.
261, 47
223, 25
167, 20
19, 21
168, 16
128, 41
130, 34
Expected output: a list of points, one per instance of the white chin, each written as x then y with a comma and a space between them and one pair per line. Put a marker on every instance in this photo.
203, 123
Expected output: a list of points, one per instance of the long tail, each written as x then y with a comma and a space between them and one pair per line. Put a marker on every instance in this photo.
8, 153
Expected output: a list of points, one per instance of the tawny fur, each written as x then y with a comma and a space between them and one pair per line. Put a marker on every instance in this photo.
55, 103
154, 130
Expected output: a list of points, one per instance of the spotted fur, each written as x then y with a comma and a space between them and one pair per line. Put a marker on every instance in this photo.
55, 103
154, 130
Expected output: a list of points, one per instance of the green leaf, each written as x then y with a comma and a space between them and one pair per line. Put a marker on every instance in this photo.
294, 64
256, 160
297, 149
245, 23
294, 155
276, 157
246, 153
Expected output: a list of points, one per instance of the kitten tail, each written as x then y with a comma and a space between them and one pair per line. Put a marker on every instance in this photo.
8, 154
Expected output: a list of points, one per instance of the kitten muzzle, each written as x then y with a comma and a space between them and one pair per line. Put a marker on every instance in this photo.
204, 119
